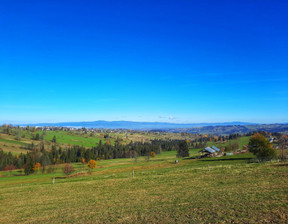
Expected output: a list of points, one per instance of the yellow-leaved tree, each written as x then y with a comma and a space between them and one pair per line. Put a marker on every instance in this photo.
92, 164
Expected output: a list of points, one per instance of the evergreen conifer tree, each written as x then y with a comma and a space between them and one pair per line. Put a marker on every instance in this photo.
183, 150
29, 165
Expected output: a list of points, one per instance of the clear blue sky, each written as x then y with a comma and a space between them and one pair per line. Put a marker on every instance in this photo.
176, 61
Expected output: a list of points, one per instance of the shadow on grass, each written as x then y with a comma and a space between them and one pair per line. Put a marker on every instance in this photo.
157, 160
190, 158
279, 165
59, 177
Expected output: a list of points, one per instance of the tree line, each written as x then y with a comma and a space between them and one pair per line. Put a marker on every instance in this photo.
76, 153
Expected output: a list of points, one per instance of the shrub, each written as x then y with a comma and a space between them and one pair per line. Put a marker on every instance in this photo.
10, 168
68, 169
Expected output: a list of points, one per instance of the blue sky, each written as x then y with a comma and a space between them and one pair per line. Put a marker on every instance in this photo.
170, 61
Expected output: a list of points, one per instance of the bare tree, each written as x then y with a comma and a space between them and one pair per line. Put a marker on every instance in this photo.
283, 146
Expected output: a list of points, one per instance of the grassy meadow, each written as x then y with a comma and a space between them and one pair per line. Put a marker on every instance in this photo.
213, 190
244, 140
8, 143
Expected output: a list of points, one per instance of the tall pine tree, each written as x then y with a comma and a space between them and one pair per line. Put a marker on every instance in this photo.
29, 165
183, 150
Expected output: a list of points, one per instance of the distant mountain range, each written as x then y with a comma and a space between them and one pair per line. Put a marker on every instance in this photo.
232, 129
195, 128
133, 125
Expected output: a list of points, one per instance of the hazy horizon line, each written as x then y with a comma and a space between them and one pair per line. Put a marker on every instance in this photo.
12, 122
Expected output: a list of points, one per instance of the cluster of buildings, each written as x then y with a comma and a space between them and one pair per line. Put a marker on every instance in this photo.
211, 152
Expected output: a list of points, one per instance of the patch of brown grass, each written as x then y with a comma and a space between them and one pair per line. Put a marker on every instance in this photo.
80, 174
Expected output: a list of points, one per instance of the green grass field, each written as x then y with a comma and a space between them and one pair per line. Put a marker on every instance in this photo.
11, 141
7, 144
215, 190
64, 138
244, 140
90, 139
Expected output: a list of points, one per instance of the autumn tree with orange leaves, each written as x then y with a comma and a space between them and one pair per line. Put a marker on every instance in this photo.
36, 167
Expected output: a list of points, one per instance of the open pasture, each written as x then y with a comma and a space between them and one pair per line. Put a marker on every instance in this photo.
216, 190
